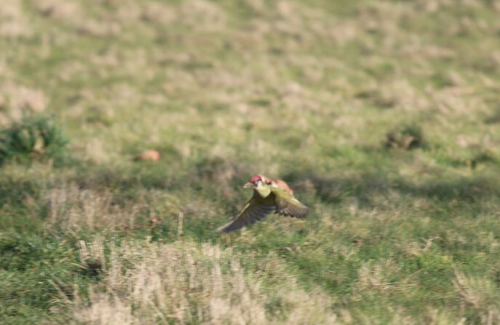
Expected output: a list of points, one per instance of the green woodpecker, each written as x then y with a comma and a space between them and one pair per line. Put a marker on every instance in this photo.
269, 195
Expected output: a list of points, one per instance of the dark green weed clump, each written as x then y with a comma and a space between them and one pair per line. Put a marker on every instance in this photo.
408, 137
33, 138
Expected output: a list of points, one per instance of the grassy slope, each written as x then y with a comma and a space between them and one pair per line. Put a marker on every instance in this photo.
303, 90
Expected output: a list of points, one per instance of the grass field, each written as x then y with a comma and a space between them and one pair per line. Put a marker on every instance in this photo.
383, 116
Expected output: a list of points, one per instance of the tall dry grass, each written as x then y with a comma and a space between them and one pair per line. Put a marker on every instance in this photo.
188, 283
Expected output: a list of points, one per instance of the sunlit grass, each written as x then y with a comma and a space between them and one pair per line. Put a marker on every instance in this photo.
382, 116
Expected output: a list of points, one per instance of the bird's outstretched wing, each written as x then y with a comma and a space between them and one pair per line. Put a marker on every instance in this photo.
255, 210
287, 205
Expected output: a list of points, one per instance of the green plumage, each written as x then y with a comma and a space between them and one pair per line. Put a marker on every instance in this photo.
265, 200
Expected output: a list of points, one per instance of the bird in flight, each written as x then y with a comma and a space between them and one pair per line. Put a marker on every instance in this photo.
269, 195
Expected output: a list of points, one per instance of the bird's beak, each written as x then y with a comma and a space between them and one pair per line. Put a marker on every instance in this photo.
248, 185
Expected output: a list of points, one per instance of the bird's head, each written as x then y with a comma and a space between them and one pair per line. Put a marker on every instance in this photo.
254, 181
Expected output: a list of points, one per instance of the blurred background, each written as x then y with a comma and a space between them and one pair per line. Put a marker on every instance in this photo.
129, 126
